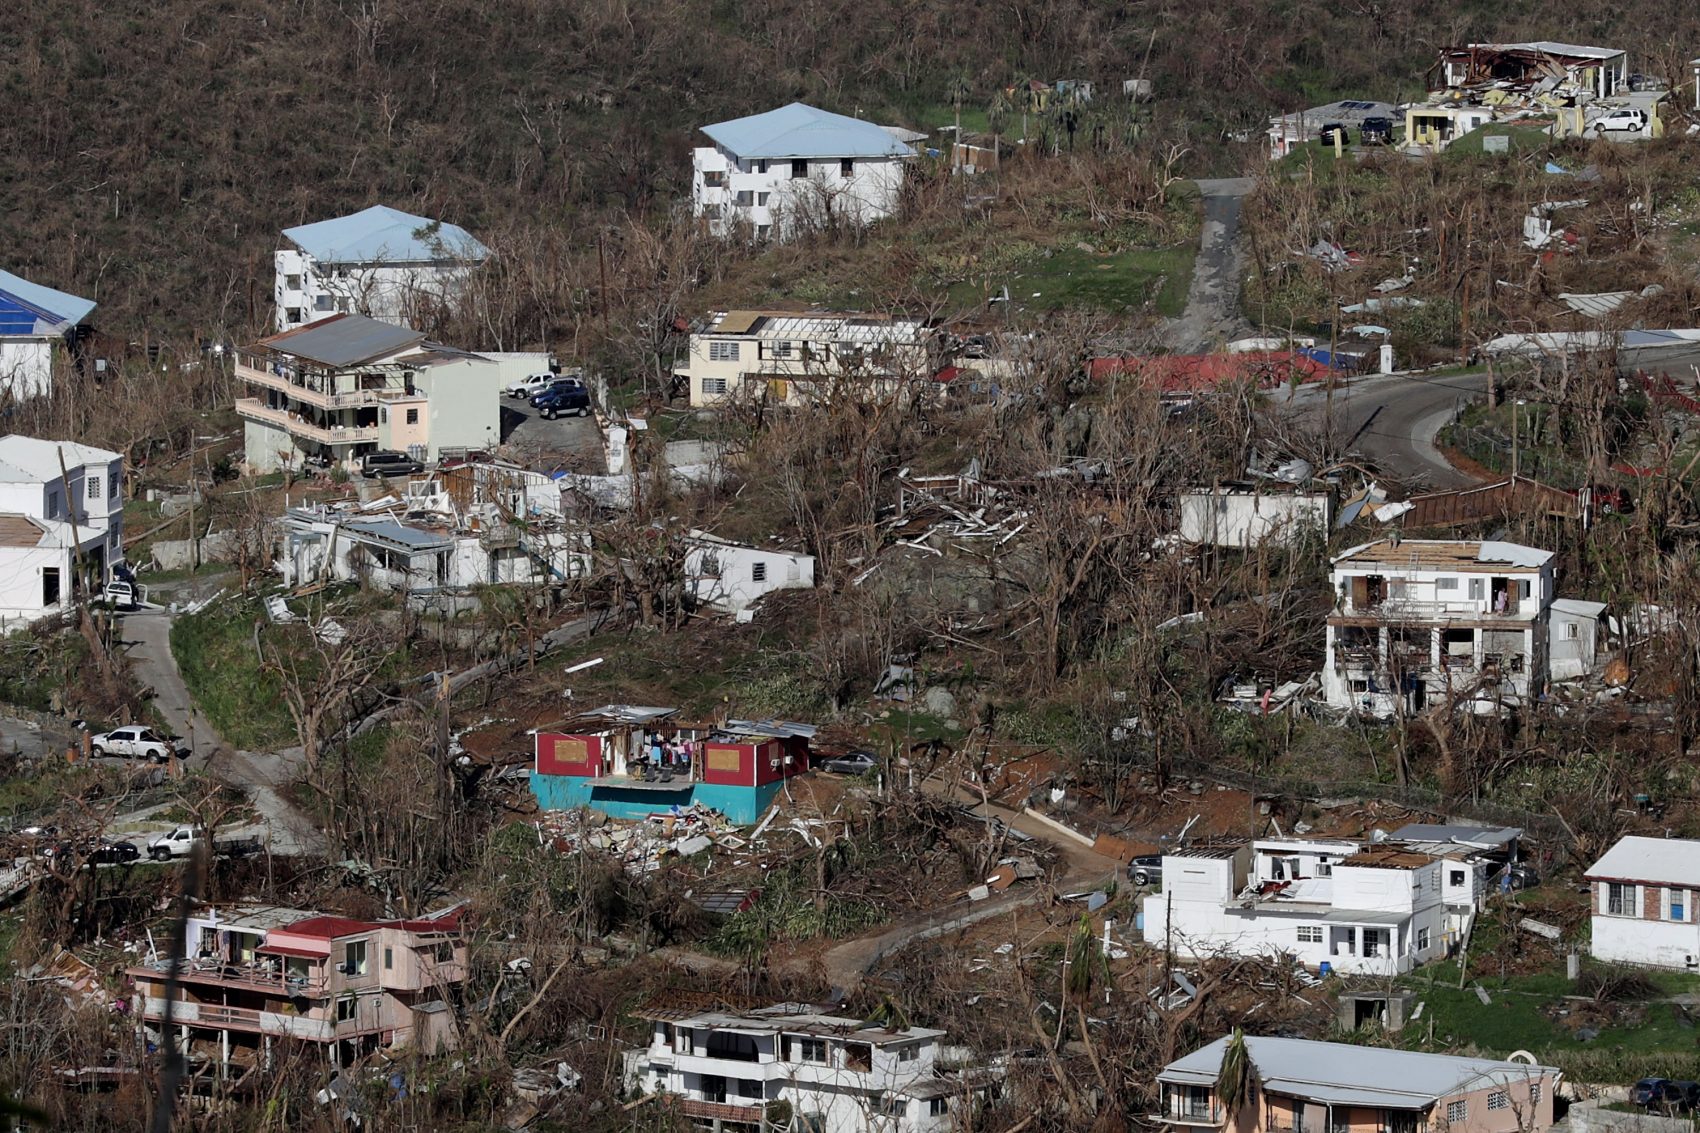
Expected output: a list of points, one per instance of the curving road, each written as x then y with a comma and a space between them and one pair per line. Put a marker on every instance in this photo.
1392, 419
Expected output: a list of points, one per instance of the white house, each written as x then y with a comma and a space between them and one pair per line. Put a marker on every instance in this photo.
1471, 857
791, 359
732, 577
1433, 619
1330, 905
796, 169
379, 262
1574, 630
40, 497
36, 323
1644, 893
1243, 515
839, 1075
347, 385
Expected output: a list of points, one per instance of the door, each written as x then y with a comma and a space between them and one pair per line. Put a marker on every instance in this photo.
50, 586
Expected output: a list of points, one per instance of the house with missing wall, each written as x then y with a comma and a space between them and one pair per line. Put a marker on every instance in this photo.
38, 328
1644, 895
616, 759
789, 359
725, 1069
1302, 1084
731, 577
1334, 906
255, 981
1245, 515
379, 262
61, 507
796, 169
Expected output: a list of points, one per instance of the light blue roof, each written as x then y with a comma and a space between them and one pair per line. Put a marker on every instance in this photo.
803, 131
382, 234
30, 309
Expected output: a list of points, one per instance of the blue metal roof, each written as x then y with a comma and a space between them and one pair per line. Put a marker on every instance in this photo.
382, 234
30, 309
798, 130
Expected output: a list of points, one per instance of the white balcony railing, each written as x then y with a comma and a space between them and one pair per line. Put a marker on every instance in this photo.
295, 426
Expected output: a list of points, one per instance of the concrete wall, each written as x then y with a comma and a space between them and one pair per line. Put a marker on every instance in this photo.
179, 554
465, 404
1245, 519
1593, 1117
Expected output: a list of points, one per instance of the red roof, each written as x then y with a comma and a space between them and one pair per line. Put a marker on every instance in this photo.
328, 928
1172, 373
949, 374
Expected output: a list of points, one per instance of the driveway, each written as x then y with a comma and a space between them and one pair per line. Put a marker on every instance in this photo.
1212, 314
573, 443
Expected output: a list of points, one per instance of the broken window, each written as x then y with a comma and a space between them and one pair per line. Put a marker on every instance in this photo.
847, 167
1455, 878
858, 1056
799, 169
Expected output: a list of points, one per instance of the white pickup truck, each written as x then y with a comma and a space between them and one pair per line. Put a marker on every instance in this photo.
138, 742
180, 843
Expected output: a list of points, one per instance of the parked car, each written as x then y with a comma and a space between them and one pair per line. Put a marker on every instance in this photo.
530, 384
115, 853
180, 843
1376, 131
562, 401
1623, 120
121, 594
1145, 870
1330, 129
137, 742
855, 763
1523, 876
387, 462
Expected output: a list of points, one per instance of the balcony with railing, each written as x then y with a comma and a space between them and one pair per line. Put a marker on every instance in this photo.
254, 410
259, 977
719, 1111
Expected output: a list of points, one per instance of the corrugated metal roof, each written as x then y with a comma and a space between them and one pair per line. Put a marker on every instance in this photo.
1660, 861
398, 535
800, 130
1479, 837
343, 340
30, 309
1555, 49
1429, 554
383, 235
1352, 1075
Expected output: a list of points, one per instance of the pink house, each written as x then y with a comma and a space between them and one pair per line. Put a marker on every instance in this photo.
1303, 1086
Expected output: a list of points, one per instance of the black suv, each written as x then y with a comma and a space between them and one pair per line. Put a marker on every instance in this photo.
1376, 131
389, 463
562, 401
1332, 128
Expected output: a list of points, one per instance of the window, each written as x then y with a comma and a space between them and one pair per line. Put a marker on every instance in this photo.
749, 1088
763, 230
1422, 940
53, 504
799, 169
909, 1054
808, 1050
1534, 1093
1678, 906
1324, 868
1447, 583
938, 1107
758, 572
888, 1106
761, 198
1455, 878
713, 387
1310, 934
1523, 585
445, 953
413, 416
1499, 1099
292, 283
858, 1056
745, 199
112, 488
1372, 942
712, 212
1456, 1111
93, 487
1478, 589
1572, 631
761, 167
347, 1009
324, 303
847, 167
292, 314
782, 350
722, 351
1620, 900
354, 958
389, 958
713, 178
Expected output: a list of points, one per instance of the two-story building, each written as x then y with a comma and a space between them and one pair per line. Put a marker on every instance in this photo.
254, 975
1300, 1085
1332, 906
796, 169
1645, 891
346, 385
61, 504
1433, 620
793, 359
837, 1075
37, 325
379, 262
1473, 860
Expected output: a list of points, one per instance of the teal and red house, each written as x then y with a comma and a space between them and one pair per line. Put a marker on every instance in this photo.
604, 759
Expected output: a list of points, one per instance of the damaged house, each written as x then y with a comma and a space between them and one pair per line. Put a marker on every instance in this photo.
731, 577
1246, 515
1480, 83
790, 359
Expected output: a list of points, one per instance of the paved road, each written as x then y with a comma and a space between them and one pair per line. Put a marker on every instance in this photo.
1392, 419
1212, 314
262, 775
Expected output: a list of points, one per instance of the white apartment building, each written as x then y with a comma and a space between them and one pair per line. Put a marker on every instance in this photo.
1644, 894
1428, 620
40, 497
332, 390
796, 169
1330, 905
36, 323
839, 1075
790, 359
379, 262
